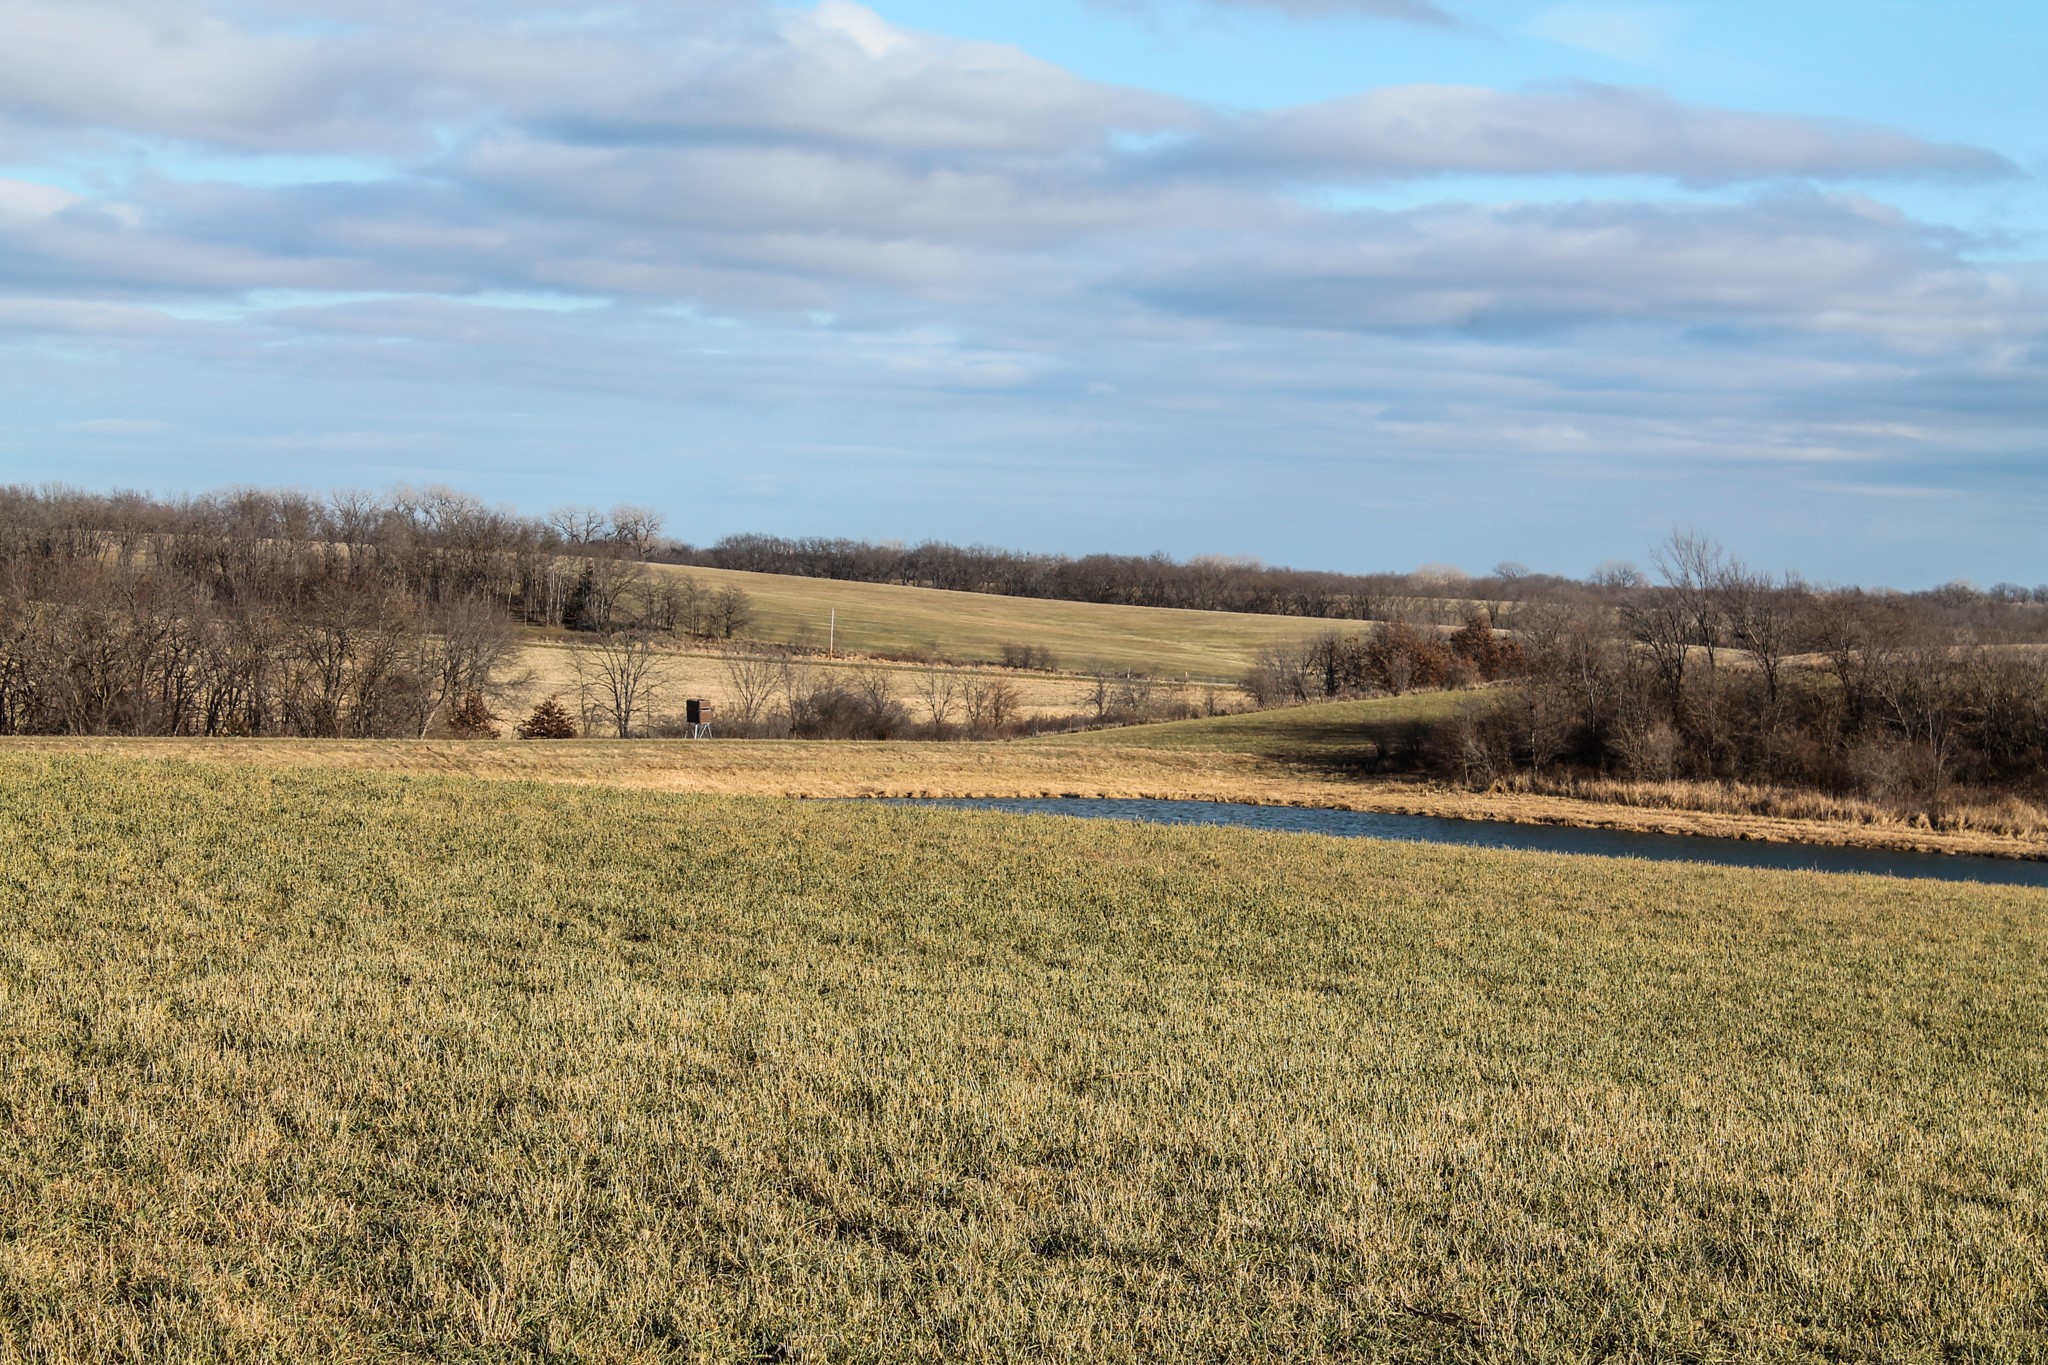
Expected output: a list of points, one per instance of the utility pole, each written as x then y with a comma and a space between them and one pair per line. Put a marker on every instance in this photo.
832, 636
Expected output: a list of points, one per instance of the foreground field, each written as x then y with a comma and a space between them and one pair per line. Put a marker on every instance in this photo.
339, 1066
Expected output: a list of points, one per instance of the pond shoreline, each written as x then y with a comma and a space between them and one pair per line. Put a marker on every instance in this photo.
1032, 768
1526, 837
1556, 812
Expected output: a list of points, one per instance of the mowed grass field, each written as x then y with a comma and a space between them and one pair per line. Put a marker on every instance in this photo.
337, 1065
1085, 637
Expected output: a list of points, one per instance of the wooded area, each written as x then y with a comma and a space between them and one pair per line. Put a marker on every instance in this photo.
279, 613
1204, 583
1209, 583
1712, 671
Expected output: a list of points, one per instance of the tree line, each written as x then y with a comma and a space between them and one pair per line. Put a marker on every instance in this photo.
354, 615
281, 613
1389, 659
1207, 583
1708, 670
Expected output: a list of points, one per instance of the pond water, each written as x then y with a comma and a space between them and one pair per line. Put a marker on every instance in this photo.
1545, 838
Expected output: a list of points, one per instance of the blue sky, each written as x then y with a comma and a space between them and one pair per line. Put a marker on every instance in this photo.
1356, 284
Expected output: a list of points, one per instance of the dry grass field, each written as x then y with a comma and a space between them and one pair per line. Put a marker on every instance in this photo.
1302, 756
1086, 637
548, 668
330, 1065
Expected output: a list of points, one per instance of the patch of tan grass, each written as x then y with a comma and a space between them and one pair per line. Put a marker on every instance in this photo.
333, 1065
2004, 816
546, 669
1087, 637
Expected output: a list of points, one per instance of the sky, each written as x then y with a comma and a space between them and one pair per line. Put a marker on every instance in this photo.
1345, 284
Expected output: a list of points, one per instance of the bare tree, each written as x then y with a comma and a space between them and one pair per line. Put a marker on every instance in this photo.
463, 656
1763, 620
1279, 674
939, 690
620, 677
1658, 620
730, 611
608, 578
1100, 697
875, 688
992, 705
1693, 570
1513, 579
1134, 694
634, 529
753, 681
579, 526
675, 603
1857, 635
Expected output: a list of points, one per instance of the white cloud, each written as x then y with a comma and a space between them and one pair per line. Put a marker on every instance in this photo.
1636, 34
647, 210
1580, 128
868, 29
23, 202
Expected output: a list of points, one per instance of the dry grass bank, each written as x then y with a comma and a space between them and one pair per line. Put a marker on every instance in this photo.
340, 1066
2007, 816
1106, 764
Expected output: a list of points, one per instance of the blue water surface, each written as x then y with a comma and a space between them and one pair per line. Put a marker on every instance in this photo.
1680, 848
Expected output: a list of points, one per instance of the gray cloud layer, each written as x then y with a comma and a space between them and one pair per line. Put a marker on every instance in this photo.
741, 210
1577, 129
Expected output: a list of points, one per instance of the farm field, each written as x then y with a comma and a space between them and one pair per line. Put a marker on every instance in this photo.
1085, 637
340, 1065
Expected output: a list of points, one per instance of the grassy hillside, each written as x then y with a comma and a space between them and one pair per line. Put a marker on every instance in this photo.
1087, 637
337, 1066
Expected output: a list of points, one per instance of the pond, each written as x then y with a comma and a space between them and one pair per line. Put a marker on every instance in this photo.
1608, 843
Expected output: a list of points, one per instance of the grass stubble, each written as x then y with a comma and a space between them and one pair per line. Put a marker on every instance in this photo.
323, 1064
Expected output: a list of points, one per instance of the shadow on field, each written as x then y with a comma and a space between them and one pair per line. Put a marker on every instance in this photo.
1374, 736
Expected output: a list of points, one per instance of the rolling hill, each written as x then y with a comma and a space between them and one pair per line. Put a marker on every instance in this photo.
1084, 637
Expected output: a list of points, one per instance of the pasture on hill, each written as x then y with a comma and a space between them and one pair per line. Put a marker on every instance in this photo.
331, 1065
1085, 637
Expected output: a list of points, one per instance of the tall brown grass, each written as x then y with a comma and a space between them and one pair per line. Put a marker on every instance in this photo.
2000, 815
